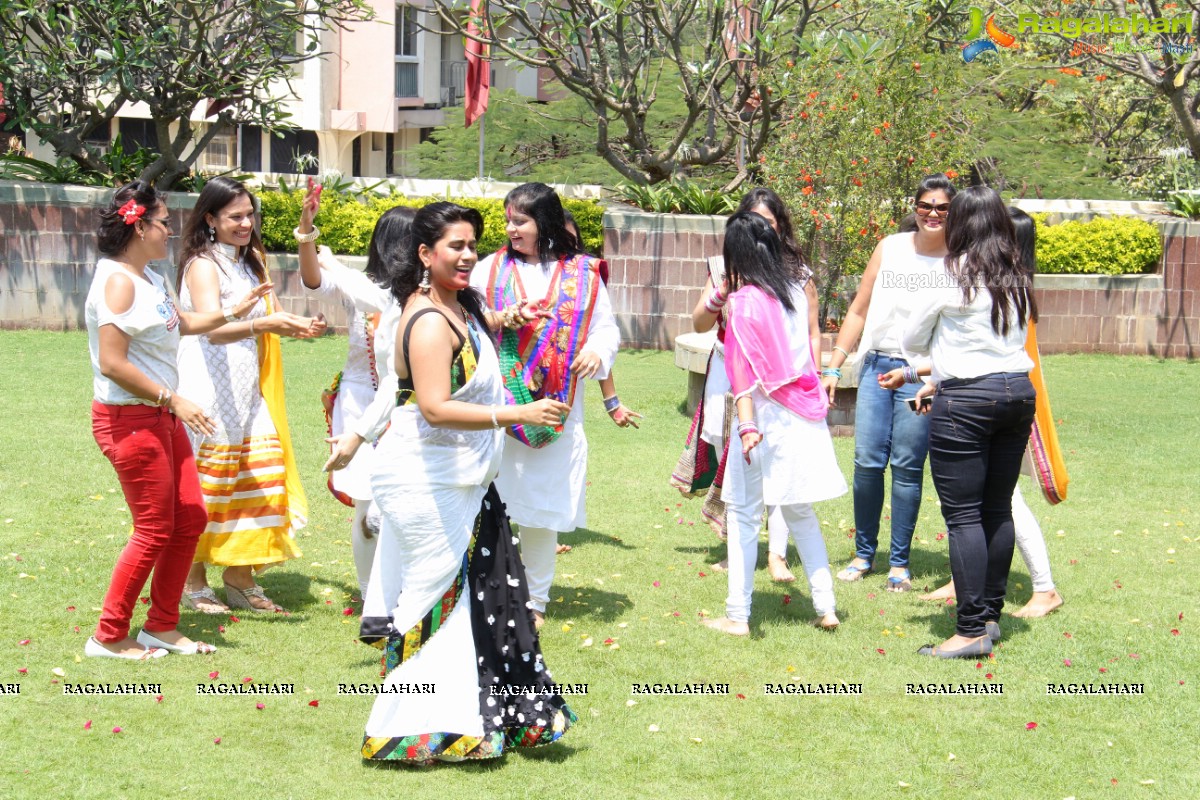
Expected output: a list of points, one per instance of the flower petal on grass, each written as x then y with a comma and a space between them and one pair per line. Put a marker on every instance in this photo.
314, 703
117, 729
214, 675
87, 726
260, 706
217, 740
1030, 726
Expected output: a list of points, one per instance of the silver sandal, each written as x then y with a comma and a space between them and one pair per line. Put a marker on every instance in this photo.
206, 595
240, 598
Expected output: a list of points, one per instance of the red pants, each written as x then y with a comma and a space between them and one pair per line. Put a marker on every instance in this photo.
150, 451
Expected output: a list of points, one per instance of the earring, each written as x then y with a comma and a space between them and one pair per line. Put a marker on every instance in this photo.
425, 285
212, 233
142, 235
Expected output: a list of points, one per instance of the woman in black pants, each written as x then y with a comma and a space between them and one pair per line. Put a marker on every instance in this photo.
973, 326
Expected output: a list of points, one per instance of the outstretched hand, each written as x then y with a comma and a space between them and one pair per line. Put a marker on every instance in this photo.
312, 204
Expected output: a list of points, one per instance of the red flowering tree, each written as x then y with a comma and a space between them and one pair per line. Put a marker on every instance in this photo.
865, 120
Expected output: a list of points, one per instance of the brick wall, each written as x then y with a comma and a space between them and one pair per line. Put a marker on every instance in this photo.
658, 271
658, 266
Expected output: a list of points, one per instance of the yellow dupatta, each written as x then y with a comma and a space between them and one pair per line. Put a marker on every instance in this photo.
1049, 468
270, 383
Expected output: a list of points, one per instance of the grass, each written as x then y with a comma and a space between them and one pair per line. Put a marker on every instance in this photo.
1123, 548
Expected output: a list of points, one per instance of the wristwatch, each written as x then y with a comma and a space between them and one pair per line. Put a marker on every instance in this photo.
230, 314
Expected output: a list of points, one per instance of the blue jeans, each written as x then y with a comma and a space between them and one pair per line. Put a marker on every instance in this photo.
978, 432
887, 431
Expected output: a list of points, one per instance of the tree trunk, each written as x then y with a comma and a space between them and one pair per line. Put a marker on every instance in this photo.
1179, 105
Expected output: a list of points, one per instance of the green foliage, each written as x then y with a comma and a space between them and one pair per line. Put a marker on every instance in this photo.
678, 196
524, 141
1184, 203
1101, 246
866, 124
346, 221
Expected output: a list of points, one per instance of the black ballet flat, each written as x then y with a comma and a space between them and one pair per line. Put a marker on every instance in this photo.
977, 649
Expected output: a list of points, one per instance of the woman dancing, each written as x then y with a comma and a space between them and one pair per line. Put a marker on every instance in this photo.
248, 475
366, 300
972, 324
446, 600
696, 473
786, 456
139, 421
544, 480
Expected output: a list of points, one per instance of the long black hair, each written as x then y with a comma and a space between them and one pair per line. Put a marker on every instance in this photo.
429, 224
389, 236
217, 193
982, 251
1026, 230
543, 205
112, 234
753, 257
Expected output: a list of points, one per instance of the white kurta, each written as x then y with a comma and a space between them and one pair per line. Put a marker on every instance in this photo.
360, 297
796, 454
546, 487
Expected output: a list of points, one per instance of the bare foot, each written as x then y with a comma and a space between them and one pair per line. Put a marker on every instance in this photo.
562, 548
1041, 604
539, 619
827, 622
777, 566
944, 593
726, 625
721, 566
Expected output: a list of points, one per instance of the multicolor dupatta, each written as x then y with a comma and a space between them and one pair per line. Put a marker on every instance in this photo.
535, 360
1050, 470
270, 383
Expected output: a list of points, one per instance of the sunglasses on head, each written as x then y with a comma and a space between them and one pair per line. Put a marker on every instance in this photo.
924, 208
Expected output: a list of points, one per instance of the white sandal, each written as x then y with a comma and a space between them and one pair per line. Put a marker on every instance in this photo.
93, 649
195, 648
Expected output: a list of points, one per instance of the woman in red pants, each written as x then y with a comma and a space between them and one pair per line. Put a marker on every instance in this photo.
138, 421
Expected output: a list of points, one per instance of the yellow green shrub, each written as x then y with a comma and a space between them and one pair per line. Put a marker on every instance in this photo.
1101, 246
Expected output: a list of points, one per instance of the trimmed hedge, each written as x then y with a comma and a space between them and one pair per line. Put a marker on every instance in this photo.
346, 222
1101, 246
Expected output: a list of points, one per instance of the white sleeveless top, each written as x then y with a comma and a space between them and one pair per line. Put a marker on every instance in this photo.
152, 323
903, 276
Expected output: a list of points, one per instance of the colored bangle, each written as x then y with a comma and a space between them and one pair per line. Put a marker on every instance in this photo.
832, 372
910, 375
611, 404
847, 355
305, 238
715, 301
747, 427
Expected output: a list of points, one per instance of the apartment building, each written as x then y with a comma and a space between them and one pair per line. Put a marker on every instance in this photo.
380, 89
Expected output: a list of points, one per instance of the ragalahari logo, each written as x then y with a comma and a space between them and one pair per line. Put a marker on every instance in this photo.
983, 37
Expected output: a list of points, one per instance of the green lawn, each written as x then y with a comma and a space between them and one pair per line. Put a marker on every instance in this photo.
1123, 548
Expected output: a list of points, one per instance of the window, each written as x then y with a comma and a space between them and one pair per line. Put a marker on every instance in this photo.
221, 152
408, 80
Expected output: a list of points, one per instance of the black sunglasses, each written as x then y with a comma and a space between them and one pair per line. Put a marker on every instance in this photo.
924, 208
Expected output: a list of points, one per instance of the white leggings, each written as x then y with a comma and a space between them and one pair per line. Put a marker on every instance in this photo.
1031, 543
801, 521
362, 547
538, 546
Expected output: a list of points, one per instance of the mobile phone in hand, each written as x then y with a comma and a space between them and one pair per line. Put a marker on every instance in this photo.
926, 402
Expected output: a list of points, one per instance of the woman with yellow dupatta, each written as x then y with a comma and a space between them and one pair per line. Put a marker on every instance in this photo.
247, 472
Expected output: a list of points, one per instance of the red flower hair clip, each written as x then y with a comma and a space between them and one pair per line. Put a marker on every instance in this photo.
131, 212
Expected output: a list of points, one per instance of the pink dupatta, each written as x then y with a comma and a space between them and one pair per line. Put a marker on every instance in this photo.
759, 353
